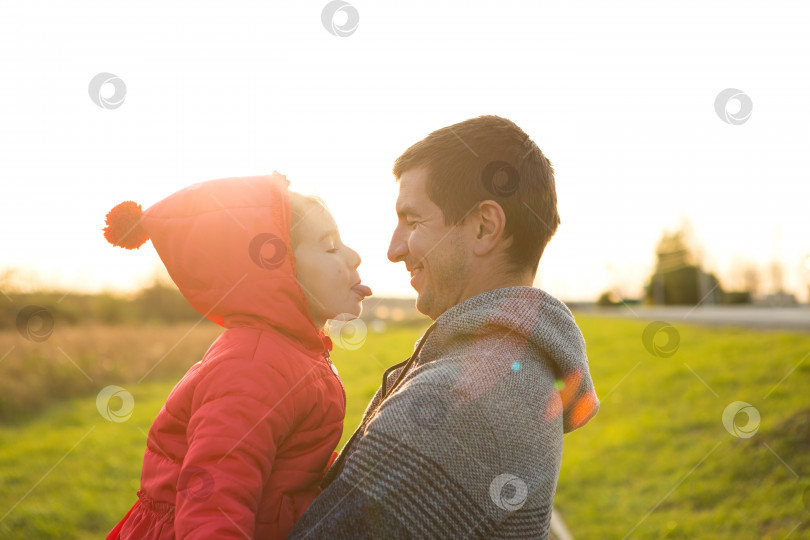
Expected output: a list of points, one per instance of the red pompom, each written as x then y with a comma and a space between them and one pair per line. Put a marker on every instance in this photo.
124, 226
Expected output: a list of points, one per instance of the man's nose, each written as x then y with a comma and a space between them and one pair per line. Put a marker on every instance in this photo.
398, 247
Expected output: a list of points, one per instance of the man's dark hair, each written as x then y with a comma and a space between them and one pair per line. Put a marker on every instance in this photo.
490, 158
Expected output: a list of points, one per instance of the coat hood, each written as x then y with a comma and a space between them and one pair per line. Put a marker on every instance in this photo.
545, 329
226, 245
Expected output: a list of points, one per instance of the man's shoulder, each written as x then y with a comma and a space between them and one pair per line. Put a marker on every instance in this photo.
456, 389
475, 369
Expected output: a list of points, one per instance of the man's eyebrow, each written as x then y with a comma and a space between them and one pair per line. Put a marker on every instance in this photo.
406, 210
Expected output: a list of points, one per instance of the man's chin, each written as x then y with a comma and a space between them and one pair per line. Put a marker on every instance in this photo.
423, 305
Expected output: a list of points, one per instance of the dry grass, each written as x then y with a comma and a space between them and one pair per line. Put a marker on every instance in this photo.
81, 360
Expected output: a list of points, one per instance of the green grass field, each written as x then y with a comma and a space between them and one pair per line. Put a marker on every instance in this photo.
656, 462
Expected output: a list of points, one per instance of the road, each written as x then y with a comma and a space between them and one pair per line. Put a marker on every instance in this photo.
763, 317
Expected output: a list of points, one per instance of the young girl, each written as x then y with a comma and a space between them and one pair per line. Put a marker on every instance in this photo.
243, 440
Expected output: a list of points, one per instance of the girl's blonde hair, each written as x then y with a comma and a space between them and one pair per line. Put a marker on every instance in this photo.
300, 206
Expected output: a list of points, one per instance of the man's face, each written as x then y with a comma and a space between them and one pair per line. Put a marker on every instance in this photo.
435, 254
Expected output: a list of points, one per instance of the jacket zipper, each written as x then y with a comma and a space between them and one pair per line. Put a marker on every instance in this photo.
334, 371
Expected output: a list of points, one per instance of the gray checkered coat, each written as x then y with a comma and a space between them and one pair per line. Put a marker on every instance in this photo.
465, 441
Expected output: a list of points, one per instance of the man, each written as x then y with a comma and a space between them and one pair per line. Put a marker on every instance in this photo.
464, 439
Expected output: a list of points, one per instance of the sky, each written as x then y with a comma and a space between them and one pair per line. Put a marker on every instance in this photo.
620, 96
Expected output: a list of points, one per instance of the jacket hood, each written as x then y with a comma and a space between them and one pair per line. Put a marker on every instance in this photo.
226, 245
543, 325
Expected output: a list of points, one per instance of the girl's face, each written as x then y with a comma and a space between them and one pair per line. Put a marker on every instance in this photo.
326, 268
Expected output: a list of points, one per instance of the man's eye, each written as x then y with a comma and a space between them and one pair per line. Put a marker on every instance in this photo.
411, 223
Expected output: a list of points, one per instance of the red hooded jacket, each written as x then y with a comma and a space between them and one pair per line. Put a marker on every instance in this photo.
243, 440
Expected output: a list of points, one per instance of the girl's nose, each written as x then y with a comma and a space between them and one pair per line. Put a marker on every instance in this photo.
354, 258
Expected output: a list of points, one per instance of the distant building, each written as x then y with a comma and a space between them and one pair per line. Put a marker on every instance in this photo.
688, 285
781, 299
678, 278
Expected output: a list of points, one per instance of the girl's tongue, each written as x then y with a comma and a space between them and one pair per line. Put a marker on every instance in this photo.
362, 290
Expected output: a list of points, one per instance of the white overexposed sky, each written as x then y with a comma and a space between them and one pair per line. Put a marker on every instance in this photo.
619, 95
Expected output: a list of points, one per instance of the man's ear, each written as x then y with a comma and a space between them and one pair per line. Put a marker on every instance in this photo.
488, 223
